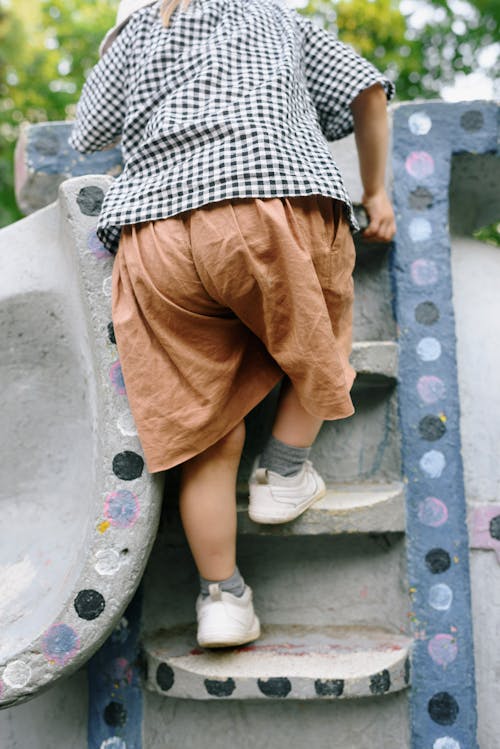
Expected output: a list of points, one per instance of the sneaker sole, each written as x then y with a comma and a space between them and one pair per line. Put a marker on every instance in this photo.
216, 640
275, 519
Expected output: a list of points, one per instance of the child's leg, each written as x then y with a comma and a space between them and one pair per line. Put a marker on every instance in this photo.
224, 609
208, 505
293, 424
286, 483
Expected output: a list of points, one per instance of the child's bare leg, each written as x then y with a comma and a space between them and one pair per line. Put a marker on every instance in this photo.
286, 483
293, 424
208, 505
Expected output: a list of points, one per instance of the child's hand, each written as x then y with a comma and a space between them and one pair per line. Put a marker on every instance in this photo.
382, 226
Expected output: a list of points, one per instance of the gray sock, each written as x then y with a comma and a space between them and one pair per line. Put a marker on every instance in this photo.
234, 584
282, 458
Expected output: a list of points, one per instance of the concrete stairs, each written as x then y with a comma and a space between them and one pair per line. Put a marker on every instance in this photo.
329, 587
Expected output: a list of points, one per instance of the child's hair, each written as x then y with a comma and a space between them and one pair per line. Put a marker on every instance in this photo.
168, 7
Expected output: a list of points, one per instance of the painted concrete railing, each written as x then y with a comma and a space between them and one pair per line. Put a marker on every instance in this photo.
443, 688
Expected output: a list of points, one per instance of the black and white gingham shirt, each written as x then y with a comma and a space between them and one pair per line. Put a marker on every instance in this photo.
235, 99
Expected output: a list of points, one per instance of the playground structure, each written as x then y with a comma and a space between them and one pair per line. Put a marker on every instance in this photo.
379, 608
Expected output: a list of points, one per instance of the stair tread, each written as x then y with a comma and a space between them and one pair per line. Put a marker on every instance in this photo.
309, 662
346, 508
375, 358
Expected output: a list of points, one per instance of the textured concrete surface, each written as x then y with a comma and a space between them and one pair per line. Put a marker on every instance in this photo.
285, 663
56, 719
44, 159
349, 508
476, 275
79, 512
308, 581
274, 724
474, 193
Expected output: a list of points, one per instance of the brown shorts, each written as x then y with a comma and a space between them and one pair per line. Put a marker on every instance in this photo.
211, 307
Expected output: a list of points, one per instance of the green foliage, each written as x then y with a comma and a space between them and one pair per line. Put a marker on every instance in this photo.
490, 234
46, 49
421, 58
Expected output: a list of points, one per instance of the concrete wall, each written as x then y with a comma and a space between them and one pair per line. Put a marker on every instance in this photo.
476, 280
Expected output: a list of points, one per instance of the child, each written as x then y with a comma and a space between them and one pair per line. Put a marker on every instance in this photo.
235, 255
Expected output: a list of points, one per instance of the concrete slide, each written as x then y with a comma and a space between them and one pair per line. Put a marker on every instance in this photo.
79, 511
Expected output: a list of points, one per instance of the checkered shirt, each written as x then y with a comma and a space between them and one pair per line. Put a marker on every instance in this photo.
235, 99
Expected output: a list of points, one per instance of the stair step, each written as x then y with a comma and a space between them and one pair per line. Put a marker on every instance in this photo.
346, 508
306, 663
376, 362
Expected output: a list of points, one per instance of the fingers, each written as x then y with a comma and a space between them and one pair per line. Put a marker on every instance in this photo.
380, 230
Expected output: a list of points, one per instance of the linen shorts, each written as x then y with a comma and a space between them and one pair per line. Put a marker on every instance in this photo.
213, 306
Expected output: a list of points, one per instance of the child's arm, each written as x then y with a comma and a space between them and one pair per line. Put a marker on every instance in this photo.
369, 110
102, 106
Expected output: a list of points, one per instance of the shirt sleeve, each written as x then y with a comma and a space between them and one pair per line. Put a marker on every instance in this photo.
335, 74
101, 110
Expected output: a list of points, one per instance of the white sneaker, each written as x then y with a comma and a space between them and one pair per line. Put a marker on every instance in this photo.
278, 499
225, 620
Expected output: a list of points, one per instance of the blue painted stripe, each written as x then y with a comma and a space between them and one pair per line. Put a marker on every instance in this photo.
443, 698
115, 694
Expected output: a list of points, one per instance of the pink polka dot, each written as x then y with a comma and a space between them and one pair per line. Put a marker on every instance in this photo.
443, 649
424, 272
96, 246
121, 670
60, 644
419, 164
431, 388
116, 377
432, 512
121, 508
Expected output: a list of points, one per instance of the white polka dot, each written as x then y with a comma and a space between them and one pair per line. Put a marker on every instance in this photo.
440, 597
113, 743
428, 349
419, 229
106, 286
126, 424
108, 561
419, 123
446, 742
433, 463
17, 674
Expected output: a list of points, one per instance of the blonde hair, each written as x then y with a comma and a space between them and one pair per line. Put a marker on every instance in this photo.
168, 7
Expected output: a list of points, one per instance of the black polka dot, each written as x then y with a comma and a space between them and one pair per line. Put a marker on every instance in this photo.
165, 677
495, 527
426, 313
115, 714
407, 671
420, 199
437, 561
381, 682
275, 687
431, 428
46, 143
443, 708
89, 200
89, 604
472, 120
329, 687
128, 465
219, 688
111, 332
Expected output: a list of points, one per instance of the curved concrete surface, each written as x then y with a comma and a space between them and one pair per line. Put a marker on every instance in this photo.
79, 510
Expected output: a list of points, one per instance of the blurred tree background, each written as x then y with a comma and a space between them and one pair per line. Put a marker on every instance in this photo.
48, 46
